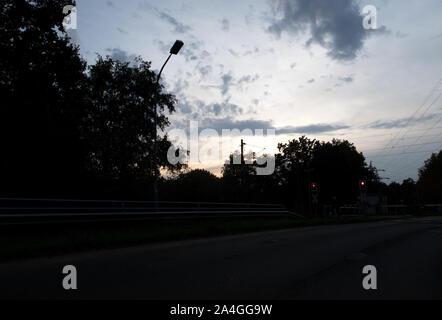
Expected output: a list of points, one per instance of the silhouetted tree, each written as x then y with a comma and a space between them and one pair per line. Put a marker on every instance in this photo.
65, 131
293, 169
430, 179
120, 124
195, 185
336, 166
42, 88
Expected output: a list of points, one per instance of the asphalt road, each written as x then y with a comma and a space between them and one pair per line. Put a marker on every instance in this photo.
309, 263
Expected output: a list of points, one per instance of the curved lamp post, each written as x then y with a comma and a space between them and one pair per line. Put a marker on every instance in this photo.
173, 51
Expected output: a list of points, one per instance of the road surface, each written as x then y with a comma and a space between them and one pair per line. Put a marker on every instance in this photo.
308, 263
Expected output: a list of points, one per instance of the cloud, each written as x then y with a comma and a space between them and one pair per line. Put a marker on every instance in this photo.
205, 71
120, 55
401, 123
109, 3
334, 25
229, 123
223, 108
312, 129
120, 30
225, 25
226, 83
401, 35
201, 109
180, 86
191, 50
348, 79
311, 81
183, 106
234, 53
179, 27
248, 79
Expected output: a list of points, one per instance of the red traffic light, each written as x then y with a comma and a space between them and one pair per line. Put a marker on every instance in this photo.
314, 187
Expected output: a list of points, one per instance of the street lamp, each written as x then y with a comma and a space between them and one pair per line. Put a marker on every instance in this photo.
173, 51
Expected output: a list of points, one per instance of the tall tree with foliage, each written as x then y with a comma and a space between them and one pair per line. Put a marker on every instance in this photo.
336, 166
120, 126
430, 179
63, 126
42, 88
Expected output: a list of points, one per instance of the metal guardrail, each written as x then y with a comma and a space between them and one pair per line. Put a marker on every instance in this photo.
31, 211
393, 209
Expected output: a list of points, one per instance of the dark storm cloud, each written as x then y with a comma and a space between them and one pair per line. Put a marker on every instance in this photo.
401, 123
335, 25
312, 129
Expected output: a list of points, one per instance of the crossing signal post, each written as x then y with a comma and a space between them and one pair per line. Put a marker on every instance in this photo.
314, 191
363, 195
363, 186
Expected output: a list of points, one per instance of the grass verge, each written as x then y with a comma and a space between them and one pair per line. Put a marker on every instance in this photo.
24, 242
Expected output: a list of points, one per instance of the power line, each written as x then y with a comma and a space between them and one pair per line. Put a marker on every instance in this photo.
416, 112
402, 153
421, 136
409, 145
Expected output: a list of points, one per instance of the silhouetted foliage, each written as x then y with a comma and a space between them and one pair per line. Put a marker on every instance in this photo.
42, 84
336, 166
430, 179
66, 131
120, 126
195, 185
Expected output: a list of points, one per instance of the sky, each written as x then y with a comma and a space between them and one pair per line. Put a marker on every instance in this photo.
302, 67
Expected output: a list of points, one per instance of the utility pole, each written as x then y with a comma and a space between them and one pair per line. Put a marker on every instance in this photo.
242, 152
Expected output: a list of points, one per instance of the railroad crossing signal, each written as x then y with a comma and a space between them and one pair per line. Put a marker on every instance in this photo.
314, 187
363, 186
